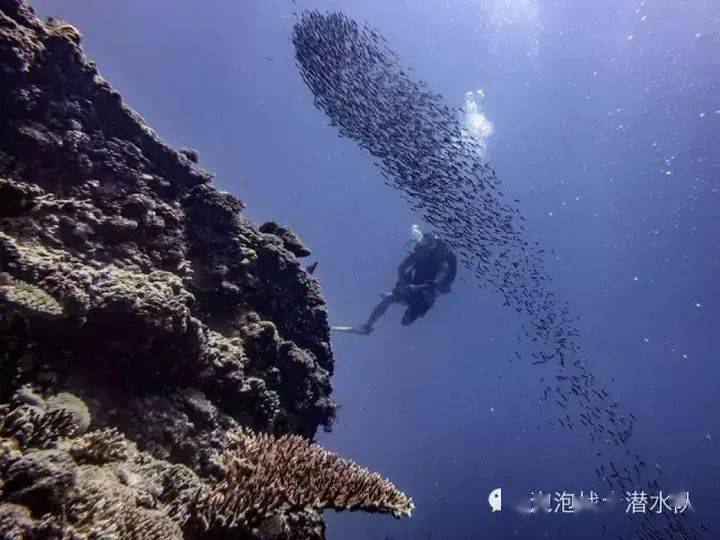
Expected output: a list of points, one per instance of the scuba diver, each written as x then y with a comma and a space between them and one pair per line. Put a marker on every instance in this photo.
424, 274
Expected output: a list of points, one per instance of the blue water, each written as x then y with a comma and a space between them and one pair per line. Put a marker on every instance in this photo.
606, 123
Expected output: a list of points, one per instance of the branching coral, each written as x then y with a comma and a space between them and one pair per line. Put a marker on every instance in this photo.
101, 447
35, 422
107, 502
265, 476
95, 485
98, 484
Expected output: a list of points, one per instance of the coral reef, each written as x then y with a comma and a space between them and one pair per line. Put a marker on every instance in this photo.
142, 319
99, 485
40, 422
264, 476
142, 273
96, 485
27, 298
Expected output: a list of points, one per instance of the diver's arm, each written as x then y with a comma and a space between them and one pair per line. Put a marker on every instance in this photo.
442, 274
404, 269
447, 274
435, 283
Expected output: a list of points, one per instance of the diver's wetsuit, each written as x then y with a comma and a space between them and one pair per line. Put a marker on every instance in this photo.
428, 271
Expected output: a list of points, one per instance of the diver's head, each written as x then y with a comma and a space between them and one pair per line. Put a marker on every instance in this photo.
427, 243
415, 232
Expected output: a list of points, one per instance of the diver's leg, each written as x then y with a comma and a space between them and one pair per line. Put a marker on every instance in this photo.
411, 315
417, 308
380, 310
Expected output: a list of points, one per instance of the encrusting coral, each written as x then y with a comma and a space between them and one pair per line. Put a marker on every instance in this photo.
142, 319
27, 297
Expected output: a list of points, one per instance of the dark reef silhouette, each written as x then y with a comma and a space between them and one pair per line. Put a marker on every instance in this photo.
147, 328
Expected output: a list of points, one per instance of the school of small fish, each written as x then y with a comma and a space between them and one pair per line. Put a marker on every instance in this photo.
418, 145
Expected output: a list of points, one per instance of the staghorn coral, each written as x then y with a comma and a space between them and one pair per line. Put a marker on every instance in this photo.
180, 487
22, 423
101, 447
106, 502
53, 425
265, 476
37, 422
100, 485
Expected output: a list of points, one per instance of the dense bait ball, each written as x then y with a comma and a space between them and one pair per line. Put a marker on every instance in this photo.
421, 148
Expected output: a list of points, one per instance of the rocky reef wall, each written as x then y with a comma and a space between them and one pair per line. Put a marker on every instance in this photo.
131, 285
174, 305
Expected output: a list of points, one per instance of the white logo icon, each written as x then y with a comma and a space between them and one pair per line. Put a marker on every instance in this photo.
495, 499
